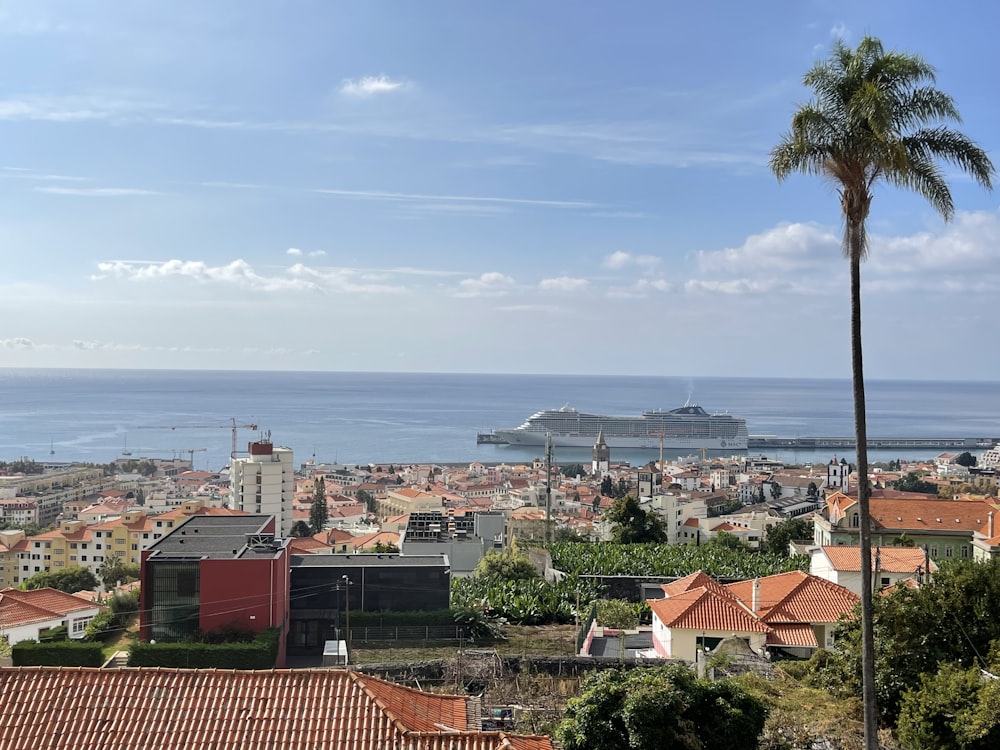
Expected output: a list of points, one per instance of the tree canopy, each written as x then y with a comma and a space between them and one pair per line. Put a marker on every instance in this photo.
318, 513
913, 483
778, 537
633, 524
70, 580
663, 707
507, 565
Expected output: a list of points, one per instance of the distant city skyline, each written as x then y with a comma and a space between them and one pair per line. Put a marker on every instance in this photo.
447, 187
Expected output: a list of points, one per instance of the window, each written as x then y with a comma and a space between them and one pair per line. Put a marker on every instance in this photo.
120, 541
934, 550
965, 550
948, 551
855, 521
885, 581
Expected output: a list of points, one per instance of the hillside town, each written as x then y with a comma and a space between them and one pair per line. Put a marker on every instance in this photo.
302, 550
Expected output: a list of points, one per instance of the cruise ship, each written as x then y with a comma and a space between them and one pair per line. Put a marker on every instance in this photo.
688, 427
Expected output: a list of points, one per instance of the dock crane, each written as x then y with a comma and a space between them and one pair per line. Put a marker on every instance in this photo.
231, 426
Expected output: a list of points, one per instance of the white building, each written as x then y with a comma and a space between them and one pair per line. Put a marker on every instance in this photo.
264, 483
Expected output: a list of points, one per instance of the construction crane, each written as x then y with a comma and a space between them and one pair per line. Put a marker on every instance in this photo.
231, 426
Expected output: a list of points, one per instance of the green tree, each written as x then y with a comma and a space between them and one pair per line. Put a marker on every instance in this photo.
966, 459
950, 619
953, 709
775, 490
318, 513
300, 529
633, 524
115, 570
812, 490
607, 486
913, 483
621, 489
70, 580
618, 614
506, 565
573, 470
778, 537
365, 498
874, 116
663, 707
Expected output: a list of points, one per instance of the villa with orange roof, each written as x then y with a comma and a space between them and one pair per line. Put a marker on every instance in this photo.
945, 527
890, 565
28, 615
795, 612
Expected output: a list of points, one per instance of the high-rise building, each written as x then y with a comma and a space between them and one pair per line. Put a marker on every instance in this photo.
263, 482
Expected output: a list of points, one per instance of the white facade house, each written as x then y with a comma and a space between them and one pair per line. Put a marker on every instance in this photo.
27, 615
890, 565
264, 483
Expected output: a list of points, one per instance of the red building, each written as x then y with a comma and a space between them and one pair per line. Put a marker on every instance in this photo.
215, 573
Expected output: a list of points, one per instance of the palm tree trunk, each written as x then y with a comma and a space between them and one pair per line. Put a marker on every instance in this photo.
864, 494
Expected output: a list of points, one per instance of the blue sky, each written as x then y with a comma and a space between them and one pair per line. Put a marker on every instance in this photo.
470, 187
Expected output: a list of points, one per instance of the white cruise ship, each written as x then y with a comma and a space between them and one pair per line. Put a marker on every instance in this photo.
686, 428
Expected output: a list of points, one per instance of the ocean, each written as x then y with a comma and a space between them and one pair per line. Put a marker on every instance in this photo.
347, 417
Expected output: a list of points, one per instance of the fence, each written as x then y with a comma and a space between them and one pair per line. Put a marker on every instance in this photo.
393, 633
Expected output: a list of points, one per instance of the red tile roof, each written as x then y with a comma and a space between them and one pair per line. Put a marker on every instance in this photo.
792, 634
796, 597
140, 709
890, 559
25, 607
703, 609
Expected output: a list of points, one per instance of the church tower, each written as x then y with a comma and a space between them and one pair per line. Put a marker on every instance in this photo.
837, 475
601, 464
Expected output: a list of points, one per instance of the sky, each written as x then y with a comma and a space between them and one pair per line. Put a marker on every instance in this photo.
449, 186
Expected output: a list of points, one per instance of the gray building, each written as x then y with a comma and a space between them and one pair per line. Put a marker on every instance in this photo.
465, 539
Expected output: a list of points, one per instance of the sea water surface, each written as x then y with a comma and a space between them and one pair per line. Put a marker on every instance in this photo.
347, 417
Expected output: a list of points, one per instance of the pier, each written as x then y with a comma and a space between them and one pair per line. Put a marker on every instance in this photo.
758, 442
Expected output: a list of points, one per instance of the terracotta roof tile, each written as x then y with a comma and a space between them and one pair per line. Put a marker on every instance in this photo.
792, 634
167, 709
796, 597
705, 609
891, 559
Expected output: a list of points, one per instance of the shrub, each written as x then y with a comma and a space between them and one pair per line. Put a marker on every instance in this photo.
57, 654
261, 653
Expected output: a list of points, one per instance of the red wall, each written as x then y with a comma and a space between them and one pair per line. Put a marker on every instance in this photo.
247, 594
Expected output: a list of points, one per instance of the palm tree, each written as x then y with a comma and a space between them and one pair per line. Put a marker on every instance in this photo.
875, 116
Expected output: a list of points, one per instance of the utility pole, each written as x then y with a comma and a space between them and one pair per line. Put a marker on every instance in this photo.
347, 619
548, 487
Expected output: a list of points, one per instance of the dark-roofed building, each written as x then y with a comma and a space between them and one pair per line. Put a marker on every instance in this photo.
378, 582
212, 573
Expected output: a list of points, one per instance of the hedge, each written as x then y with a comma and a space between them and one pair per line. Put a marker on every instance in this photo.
57, 654
261, 653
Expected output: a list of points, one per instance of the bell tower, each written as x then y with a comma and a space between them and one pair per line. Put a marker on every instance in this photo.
601, 464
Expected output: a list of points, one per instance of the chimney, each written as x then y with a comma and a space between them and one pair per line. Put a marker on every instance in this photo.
989, 524
755, 599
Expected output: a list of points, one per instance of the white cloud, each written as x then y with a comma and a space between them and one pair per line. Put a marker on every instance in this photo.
18, 342
840, 31
564, 284
732, 287
785, 247
94, 192
317, 253
384, 195
370, 86
236, 273
621, 259
653, 285
489, 284
293, 251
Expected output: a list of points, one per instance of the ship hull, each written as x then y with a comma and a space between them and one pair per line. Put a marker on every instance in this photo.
528, 437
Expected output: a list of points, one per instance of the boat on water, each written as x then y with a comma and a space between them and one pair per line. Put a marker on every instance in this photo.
688, 427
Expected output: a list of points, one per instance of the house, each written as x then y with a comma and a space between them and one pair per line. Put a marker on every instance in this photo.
27, 615
208, 709
792, 612
945, 527
890, 565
